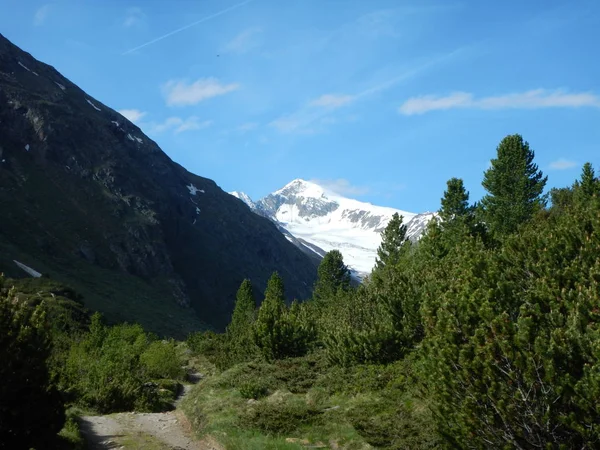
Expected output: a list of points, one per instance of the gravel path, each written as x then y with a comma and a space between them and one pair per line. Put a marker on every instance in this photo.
164, 431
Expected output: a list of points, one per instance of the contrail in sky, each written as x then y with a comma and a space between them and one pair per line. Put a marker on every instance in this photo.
204, 19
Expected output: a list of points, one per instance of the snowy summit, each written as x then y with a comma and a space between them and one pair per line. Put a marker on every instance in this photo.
320, 217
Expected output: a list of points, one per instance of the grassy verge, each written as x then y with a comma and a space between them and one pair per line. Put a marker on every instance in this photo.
302, 402
70, 437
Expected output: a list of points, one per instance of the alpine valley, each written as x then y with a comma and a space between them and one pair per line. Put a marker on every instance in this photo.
318, 220
88, 199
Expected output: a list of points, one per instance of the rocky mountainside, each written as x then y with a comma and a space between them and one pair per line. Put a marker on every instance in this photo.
322, 221
89, 199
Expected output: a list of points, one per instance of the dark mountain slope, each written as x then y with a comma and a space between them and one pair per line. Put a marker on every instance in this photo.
87, 197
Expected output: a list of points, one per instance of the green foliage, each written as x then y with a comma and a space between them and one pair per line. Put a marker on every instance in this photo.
280, 332
455, 202
589, 184
253, 389
514, 185
214, 347
31, 409
161, 359
268, 325
388, 423
239, 337
279, 417
511, 354
70, 436
110, 368
332, 276
587, 188
392, 240
358, 329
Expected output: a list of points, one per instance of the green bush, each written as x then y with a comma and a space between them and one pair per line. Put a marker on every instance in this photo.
512, 355
31, 409
110, 369
389, 423
214, 347
280, 417
162, 360
253, 389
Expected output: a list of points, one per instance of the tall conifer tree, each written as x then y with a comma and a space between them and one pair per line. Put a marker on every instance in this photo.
455, 202
514, 185
332, 275
392, 239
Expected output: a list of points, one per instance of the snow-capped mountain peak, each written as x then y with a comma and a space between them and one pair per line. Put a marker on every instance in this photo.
300, 187
325, 220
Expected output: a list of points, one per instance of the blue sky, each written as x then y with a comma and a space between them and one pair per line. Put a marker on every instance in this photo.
382, 100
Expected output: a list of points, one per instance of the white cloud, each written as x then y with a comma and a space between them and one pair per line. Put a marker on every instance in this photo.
341, 186
193, 123
134, 115
301, 120
562, 164
181, 93
296, 123
244, 42
178, 125
40, 15
332, 101
534, 99
134, 17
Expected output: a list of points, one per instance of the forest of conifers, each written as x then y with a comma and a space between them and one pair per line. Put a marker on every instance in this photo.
483, 334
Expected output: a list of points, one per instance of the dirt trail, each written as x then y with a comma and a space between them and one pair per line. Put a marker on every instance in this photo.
153, 431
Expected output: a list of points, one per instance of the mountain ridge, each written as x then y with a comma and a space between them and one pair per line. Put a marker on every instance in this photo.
86, 193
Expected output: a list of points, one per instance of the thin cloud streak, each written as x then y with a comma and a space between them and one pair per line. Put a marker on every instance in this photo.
534, 99
301, 119
178, 125
243, 42
332, 101
179, 30
41, 14
562, 164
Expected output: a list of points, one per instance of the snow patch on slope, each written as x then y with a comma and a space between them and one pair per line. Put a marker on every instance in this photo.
93, 106
194, 190
244, 197
29, 270
24, 66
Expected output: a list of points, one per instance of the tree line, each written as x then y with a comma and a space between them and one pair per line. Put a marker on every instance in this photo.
496, 307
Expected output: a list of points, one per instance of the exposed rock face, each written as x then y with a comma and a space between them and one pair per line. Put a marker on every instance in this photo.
80, 184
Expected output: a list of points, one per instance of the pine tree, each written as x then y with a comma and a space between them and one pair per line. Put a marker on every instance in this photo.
589, 183
239, 331
267, 328
588, 186
514, 185
455, 203
332, 275
392, 240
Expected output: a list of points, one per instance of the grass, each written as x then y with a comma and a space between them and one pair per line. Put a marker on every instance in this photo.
309, 404
119, 296
70, 437
140, 440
